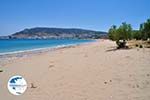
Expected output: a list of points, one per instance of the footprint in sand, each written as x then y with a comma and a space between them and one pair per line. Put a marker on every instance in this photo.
50, 66
148, 75
85, 55
136, 86
107, 82
33, 86
147, 82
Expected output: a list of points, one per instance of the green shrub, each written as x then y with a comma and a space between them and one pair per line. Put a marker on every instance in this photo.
122, 33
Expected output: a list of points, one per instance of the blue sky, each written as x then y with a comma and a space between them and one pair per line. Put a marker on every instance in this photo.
16, 15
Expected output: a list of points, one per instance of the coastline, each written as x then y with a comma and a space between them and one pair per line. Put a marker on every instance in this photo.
40, 49
11, 56
93, 71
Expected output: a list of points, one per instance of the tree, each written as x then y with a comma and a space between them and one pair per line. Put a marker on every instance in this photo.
145, 30
136, 34
112, 32
122, 33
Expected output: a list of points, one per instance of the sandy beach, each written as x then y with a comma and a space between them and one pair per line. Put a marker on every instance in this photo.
94, 71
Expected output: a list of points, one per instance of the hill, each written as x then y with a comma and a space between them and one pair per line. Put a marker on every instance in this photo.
57, 33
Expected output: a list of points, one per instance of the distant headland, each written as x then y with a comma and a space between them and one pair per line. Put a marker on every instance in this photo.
56, 33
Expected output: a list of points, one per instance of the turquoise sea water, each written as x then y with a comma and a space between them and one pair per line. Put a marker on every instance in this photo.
21, 45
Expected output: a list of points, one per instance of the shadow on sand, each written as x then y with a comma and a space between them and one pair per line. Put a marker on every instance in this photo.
115, 49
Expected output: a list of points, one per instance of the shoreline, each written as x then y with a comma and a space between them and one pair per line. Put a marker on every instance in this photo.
43, 48
10, 56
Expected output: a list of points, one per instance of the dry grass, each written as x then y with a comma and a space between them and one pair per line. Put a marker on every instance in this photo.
138, 43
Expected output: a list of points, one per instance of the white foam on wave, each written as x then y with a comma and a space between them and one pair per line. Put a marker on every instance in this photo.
40, 49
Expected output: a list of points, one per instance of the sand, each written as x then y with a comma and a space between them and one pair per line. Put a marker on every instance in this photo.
94, 71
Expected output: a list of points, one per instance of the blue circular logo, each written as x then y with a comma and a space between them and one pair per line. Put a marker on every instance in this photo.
17, 85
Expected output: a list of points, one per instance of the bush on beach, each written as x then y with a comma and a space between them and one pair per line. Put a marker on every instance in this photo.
121, 34
124, 33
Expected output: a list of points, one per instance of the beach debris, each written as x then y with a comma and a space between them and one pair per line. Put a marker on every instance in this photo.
33, 86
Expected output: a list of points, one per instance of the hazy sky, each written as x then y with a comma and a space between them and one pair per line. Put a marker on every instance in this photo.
15, 15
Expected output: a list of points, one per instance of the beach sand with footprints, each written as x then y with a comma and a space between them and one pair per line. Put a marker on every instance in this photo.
94, 71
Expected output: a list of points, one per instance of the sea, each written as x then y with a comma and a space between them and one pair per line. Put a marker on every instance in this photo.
10, 46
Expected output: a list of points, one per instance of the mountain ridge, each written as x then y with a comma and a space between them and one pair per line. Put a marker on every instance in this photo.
56, 33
